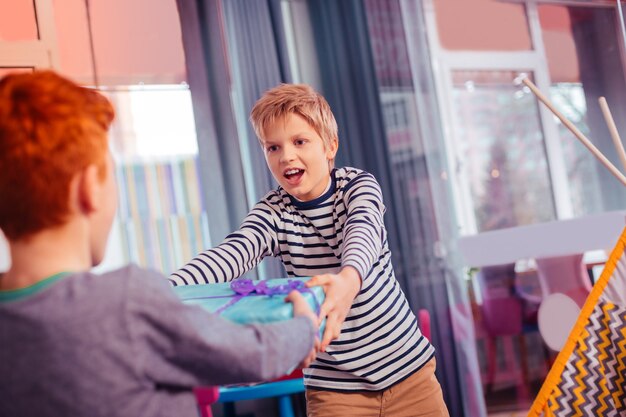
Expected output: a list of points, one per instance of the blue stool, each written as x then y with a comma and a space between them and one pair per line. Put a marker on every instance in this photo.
281, 389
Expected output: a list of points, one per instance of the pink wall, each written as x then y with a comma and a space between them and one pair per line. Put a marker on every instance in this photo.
139, 41
136, 41
559, 44
490, 25
17, 20
481, 25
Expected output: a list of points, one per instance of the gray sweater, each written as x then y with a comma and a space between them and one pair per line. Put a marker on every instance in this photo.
122, 344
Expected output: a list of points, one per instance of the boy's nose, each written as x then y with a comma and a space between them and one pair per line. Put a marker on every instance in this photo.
287, 155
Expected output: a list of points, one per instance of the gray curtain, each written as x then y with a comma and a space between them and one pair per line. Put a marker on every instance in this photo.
209, 81
257, 53
253, 51
234, 52
357, 75
596, 33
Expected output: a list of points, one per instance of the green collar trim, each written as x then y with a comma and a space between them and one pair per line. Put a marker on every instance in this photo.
21, 293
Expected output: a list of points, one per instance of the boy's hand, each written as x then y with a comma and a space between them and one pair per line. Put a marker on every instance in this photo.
302, 308
340, 291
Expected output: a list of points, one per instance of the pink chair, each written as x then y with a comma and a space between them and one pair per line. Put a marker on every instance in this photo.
501, 310
564, 274
205, 396
423, 318
502, 316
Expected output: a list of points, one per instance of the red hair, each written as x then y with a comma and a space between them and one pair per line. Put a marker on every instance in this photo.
50, 129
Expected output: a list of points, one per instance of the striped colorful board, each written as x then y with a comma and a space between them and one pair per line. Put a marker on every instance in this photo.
588, 377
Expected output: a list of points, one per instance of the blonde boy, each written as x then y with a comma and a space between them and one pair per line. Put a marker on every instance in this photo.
77, 344
328, 223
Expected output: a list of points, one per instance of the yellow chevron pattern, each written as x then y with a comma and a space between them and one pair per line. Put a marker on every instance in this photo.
588, 377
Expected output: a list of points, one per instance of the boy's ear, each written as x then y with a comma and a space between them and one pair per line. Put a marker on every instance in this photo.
88, 189
331, 149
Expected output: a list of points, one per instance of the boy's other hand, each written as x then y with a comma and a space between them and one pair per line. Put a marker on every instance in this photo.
340, 291
302, 308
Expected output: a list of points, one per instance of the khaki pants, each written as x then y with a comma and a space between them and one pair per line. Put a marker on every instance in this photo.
418, 395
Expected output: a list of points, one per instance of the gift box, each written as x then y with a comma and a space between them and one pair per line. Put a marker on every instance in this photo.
247, 301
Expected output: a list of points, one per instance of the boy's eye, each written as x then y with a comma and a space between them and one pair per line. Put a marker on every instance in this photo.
271, 148
300, 141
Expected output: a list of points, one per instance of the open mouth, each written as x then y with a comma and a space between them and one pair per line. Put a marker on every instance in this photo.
293, 174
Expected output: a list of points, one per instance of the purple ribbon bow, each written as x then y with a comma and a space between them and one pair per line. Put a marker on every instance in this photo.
247, 287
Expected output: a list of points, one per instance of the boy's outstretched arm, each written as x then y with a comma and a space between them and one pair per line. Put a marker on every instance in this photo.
363, 236
241, 251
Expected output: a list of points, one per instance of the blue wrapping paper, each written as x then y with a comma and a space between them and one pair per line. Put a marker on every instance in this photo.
250, 308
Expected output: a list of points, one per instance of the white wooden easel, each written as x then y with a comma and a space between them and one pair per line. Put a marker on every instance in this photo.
557, 313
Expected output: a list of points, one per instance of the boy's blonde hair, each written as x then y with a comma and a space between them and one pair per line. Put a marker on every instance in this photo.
300, 99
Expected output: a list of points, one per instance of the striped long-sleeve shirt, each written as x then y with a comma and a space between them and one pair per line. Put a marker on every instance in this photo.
380, 342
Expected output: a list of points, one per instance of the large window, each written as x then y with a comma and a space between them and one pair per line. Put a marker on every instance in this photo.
162, 220
140, 66
133, 53
574, 55
499, 137
515, 167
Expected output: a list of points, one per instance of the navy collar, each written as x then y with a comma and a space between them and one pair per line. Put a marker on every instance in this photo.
316, 201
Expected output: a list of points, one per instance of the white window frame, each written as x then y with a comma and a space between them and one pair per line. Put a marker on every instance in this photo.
445, 62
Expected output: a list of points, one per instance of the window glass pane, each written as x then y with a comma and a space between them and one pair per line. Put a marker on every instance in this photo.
18, 21
482, 25
504, 161
582, 168
153, 122
583, 53
138, 63
161, 217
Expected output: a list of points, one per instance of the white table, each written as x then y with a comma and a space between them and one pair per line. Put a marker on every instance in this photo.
556, 238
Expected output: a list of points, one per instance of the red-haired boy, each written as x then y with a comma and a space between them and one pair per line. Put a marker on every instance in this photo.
77, 344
